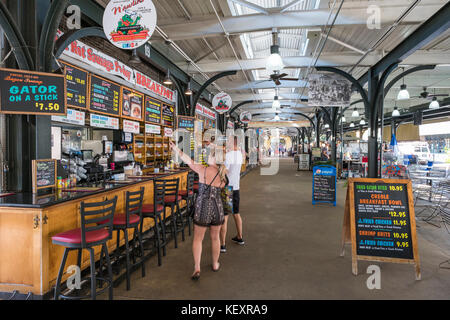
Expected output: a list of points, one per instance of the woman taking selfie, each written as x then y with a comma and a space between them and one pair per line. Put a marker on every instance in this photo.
208, 207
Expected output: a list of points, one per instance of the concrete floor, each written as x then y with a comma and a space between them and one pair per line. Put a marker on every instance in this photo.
291, 252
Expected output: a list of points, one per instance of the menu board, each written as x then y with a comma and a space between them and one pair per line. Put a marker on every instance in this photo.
380, 217
187, 123
167, 115
104, 96
132, 102
44, 174
76, 80
29, 92
152, 110
324, 184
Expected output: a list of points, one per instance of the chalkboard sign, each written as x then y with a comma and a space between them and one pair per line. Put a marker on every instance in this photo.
167, 115
187, 123
132, 102
324, 184
29, 92
44, 174
104, 96
77, 84
379, 221
152, 110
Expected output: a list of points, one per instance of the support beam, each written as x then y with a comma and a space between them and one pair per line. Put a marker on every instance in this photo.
423, 35
342, 43
212, 50
251, 6
290, 5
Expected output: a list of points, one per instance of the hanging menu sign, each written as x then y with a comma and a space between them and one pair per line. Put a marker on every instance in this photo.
131, 126
44, 174
29, 92
379, 221
132, 102
167, 115
152, 110
76, 80
324, 184
104, 96
101, 121
73, 117
152, 129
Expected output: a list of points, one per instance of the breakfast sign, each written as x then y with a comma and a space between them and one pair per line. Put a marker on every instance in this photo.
28, 92
379, 222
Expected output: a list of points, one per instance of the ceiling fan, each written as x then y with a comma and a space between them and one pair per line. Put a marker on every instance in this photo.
426, 95
276, 77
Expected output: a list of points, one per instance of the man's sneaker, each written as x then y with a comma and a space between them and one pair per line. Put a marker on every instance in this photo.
223, 249
238, 241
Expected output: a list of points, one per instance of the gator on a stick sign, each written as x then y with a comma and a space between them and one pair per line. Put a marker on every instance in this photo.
28, 92
129, 24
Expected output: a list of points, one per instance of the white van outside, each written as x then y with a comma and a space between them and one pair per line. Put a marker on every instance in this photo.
419, 149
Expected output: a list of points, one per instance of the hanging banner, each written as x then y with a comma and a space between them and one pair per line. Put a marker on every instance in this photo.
141, 80
205, 112
329, 90
105, 122
73, 117
245, 117
129, 24
131, 126
222, 102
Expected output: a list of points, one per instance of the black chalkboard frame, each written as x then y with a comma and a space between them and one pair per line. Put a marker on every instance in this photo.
101, 112
34, 163
88, 85
349, 225
63, 75
142, 104
160, 107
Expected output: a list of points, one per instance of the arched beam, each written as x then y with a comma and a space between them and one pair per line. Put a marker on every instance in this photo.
207, 83
181, 94
239, 105
66, 39
15, 38
405, 73
48, 33
380, 93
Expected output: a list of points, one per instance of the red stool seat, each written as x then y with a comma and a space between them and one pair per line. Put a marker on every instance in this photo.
184, 193
150, 208
171, 199
74, 236
195, 187
121, 219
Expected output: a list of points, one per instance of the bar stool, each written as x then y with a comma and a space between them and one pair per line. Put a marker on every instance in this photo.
196, 180
90, 234
131, 219
188, 196
154, 212
172, 200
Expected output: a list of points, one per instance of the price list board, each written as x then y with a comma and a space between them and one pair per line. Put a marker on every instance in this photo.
152, 110
77, 86
104, 96
44, 174
380, 218
167, 115
324, 184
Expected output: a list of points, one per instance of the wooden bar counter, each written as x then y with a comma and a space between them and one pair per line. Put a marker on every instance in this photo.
29, 262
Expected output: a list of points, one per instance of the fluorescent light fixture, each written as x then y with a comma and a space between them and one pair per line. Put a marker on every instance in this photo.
403, 94
434, 104
395, 113
355, 113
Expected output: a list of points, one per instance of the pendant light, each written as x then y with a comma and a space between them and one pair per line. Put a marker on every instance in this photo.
362, 122
276, 103
326, 126
274, 61
434, 104
188, 91
395, 113
343, 119
134, 59
355, 113
403, 94
277, 118
352, 125
167, 81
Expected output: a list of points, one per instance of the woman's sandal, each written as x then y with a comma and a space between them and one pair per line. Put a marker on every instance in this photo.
196, 276
215, 270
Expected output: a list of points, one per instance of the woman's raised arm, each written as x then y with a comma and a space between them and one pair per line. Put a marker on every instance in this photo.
186, 159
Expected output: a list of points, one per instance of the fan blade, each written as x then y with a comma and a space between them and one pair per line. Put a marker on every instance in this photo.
261, 81
439, 95
277, 82
289, 79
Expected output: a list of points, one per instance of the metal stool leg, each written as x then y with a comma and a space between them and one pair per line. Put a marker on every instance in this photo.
127, 249
93, 278
174, 224
60, 273
110, 274
157, 239
142, 251
181, 220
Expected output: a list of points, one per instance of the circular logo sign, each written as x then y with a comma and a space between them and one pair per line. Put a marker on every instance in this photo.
222, 102
245, 117
129, 24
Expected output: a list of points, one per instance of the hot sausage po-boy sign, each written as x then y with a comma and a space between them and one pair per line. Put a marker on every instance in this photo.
28, 92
